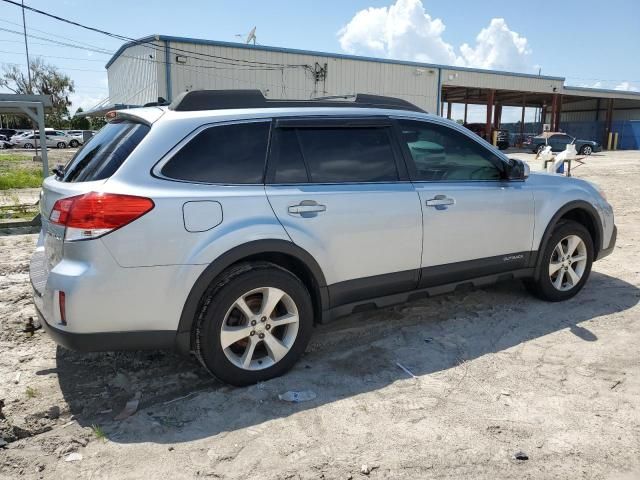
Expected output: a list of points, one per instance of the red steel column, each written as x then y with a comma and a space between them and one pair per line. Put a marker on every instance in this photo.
497, 116
554, 111
558, 112
607, 123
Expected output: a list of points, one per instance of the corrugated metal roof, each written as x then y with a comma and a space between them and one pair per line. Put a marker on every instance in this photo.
199, 41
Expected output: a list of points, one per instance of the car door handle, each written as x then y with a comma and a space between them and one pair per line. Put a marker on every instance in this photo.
440, 201
307, 208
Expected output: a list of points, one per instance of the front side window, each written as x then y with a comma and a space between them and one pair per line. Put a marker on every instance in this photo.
343, 154
440, 153
223, 154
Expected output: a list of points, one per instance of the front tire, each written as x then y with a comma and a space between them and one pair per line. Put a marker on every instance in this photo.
254, 324
565, 264
74, 143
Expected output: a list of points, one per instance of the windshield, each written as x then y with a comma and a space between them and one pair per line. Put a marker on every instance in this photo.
103, 154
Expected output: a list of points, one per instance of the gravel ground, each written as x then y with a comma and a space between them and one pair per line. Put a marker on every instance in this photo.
497, 372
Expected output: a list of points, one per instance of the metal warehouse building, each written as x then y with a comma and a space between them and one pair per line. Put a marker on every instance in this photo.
164, 66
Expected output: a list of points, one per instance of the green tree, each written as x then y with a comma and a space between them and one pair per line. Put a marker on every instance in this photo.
97, 123
46, 79
80, 123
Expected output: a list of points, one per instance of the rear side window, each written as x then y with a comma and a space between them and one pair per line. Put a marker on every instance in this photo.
286, 154
338, 155
228, 154
101, 156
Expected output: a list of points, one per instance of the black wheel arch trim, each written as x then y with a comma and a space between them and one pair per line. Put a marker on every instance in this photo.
573, 205
237, 254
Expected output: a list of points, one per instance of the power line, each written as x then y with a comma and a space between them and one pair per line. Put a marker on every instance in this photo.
54, 56
62, 68
139, 42
48, 33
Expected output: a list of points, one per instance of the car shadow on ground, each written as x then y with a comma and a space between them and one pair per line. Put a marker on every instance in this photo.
180, 402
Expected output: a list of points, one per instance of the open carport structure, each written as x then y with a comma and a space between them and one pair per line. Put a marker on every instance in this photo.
585, 112
34, 107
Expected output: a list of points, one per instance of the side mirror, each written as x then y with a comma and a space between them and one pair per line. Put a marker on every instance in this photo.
517, 169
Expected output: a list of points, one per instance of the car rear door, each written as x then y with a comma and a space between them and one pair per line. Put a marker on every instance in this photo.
475, 223
341, 191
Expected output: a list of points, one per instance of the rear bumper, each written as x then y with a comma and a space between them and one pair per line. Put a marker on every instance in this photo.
109, 341
612, 244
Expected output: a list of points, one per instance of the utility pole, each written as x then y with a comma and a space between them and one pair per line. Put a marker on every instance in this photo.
26, 46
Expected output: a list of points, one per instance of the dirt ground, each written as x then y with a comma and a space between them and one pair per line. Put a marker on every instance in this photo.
496, 372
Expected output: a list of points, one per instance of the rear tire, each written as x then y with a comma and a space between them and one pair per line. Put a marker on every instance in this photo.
586, 150
74, 143
565, 264
255, 322
62, 145
28, 146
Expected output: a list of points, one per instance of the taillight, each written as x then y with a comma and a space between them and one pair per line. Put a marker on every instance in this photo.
93, 214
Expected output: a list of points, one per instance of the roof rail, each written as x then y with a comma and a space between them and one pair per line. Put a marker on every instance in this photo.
197, 100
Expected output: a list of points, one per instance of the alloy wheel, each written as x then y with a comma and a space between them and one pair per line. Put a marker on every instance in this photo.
568, 263
260, 328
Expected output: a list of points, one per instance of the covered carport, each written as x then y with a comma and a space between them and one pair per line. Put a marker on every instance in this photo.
495, 100
34, 107
607, 116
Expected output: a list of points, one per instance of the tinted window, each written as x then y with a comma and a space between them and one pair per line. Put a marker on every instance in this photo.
335, 155
287, 158
224, 154
442, 153
100, 157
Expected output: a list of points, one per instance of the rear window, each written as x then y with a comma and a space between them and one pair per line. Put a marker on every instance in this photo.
101, 156
227, 154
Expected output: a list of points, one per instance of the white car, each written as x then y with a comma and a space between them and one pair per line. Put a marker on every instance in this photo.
55, 138
77, 137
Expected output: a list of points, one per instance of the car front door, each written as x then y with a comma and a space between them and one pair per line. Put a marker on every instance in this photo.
475, 222
559, 142
340, 189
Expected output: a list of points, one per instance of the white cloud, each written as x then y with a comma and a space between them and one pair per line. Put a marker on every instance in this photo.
403, 31
406, 31
627, 86
499, 48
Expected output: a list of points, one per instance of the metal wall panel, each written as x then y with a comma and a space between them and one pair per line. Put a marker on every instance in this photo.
291, 76
498, 81
134, 76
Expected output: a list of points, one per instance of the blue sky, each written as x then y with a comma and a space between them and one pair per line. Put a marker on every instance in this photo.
591, 43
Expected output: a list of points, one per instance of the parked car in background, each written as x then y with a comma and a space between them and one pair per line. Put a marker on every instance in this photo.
55, 138
78, 137
559, 141
4, 142
502, 141
8, 132
231, 233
